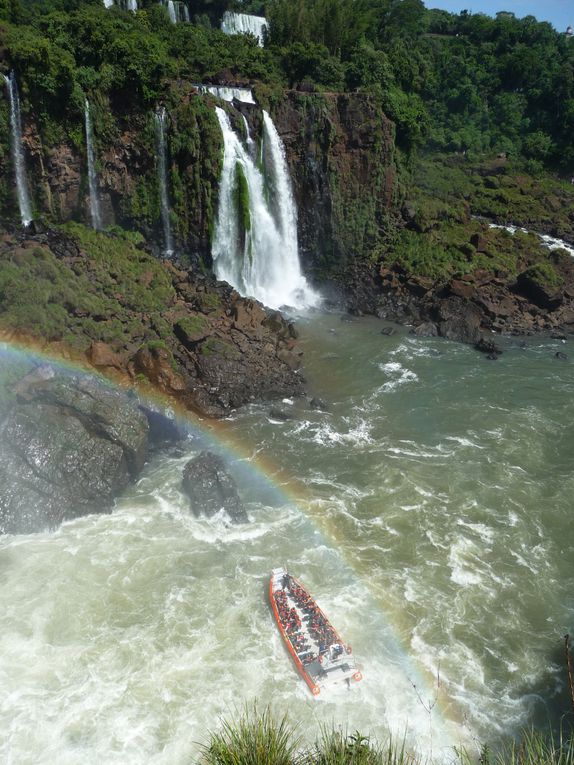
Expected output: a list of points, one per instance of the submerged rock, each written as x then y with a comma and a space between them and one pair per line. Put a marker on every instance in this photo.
280, 414
67, 448
211, 488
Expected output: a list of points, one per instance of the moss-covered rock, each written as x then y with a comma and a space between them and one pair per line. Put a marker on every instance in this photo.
103, 299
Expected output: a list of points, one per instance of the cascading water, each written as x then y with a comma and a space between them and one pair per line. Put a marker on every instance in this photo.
255, 246
244, 23
18, 151
132, 5
95, 212
160, 134
250, 142
171, 11
108, 3
228, 93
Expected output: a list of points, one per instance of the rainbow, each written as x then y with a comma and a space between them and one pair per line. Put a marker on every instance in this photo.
276, 483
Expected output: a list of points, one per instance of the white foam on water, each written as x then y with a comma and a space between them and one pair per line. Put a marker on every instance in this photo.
399, 376
462, 559
551, 242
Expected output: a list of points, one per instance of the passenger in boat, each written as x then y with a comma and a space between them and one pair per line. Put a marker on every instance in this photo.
286, 582
336, 650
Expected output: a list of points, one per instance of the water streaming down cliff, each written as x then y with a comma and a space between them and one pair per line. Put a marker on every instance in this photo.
244, 23
95, 212
255, 241
227, 93
160, 134
17, 150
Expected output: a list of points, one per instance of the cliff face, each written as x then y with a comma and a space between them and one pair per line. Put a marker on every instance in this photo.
340, 149
126, 164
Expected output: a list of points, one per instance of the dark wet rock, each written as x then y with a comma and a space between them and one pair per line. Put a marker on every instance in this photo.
561, 355
489, 347
542, 295
67, 448
280, 414
388, 331
211, 488
318, 404
427, 329
163, 430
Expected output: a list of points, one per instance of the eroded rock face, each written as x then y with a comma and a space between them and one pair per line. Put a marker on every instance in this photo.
196, 340
340, 149
211, 488
468, 309
67, 448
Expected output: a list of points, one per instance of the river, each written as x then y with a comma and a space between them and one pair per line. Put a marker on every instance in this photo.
428, 510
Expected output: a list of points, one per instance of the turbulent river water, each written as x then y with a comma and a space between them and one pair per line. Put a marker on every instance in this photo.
429, 510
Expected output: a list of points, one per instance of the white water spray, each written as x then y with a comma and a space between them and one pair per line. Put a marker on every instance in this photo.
160, 134
171, 11
95, 212
255, 241
244, 23
17, 150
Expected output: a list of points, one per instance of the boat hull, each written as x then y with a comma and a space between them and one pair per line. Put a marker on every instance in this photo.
321, 657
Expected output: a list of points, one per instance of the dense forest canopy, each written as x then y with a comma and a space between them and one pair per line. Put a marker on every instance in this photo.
465, 83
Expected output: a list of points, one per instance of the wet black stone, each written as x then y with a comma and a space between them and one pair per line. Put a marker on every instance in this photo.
211, 488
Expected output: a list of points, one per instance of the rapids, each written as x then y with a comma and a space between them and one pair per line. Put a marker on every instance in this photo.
428, 510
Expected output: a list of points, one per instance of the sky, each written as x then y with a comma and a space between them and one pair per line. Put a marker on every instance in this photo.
560, 13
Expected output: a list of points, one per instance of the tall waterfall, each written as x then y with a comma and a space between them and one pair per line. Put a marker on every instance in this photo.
160, 135
171, 11
255, 242
92, 177
243, 23
17, 150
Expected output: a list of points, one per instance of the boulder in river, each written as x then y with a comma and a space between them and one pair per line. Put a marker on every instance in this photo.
68, 447
211, 488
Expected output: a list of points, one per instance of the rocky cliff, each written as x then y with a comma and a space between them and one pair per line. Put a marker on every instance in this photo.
340, 149
341, 152
101, 298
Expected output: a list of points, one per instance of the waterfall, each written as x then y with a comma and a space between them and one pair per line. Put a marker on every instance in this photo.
255, 248
243, 23
250, 142
171, 11
132, 5
108, 3
92, 177
17, 150
186, 13
228, 93
160, 134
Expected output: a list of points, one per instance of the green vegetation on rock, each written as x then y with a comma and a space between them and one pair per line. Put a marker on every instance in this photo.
241, 194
